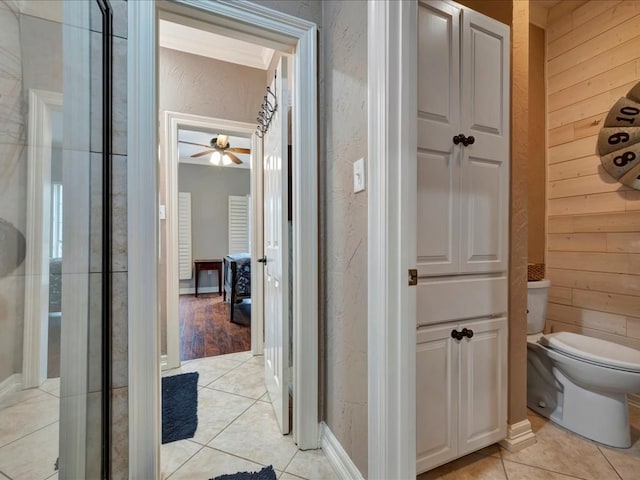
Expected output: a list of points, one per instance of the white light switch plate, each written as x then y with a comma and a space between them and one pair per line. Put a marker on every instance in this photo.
162, 214
359, 182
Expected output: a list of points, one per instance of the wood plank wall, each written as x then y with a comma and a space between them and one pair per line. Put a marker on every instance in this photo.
593, 230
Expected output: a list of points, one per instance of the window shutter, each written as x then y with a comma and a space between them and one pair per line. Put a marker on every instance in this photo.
184, 236
238, 224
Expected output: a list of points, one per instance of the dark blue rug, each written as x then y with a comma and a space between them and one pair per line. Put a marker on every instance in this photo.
266, 473
179, 406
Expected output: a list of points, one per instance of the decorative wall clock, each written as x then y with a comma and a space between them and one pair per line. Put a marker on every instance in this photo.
619, 140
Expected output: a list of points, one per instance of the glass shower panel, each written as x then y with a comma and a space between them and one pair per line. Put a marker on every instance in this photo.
54, 286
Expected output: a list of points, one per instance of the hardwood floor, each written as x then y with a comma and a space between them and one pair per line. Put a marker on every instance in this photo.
205, 329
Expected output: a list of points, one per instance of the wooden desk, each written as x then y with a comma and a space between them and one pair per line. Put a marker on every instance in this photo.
214, 264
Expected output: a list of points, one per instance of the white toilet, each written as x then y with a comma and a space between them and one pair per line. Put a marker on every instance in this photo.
579, 382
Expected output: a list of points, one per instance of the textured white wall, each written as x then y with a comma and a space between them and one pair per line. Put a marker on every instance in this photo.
344, 225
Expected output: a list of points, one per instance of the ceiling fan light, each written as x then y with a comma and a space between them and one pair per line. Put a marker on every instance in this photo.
226, 160
216, 158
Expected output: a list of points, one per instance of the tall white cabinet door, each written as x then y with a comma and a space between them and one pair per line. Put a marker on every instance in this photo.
484, 173
437, 397
483, 384
438, 122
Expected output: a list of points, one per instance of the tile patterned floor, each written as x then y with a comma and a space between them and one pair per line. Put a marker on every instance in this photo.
237, 432
237, 429
557, 455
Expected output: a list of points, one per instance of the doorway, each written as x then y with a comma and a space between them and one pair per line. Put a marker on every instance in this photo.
298, 38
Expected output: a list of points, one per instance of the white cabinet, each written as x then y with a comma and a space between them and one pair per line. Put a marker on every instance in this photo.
463, 89
461, 389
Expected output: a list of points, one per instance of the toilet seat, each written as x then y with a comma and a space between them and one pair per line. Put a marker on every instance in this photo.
593, 350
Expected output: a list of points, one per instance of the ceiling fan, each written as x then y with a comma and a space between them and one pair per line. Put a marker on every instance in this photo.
219, 148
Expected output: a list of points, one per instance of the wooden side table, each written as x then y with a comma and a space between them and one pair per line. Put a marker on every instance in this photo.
214, 264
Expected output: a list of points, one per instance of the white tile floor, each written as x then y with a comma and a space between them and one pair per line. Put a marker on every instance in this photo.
237, 429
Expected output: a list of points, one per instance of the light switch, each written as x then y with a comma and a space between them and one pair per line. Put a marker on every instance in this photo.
358, 176
162, 214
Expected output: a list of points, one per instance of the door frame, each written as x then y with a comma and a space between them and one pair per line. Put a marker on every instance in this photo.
170, 160
36, 293
392, 144
284, 32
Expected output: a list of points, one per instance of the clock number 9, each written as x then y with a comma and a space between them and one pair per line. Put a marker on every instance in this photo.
622, 160
618, 138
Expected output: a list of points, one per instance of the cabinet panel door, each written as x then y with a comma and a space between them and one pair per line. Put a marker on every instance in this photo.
438, 122
437, 397
483, 385
484, 192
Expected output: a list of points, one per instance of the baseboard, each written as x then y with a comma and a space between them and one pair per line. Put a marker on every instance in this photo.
633, 399
10, 385
192, 290
338, 458
519, 436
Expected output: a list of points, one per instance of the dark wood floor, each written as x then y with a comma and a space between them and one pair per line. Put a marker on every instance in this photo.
205, 328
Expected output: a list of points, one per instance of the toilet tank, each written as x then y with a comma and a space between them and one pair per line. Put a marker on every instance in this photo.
537, 293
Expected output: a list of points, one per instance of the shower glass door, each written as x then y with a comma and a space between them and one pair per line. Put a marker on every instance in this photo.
55, 83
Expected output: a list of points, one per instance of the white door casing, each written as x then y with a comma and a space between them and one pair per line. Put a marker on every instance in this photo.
300, 38
276, 249
173, 121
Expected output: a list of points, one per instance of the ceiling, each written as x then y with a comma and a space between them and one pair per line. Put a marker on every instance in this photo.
192, 40
204, 138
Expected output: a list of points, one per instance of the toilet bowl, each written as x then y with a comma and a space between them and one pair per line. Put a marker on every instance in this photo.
579, 382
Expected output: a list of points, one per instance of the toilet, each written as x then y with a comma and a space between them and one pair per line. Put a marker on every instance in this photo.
579, 382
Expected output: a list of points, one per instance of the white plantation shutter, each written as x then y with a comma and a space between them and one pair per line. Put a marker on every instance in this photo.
238, 224
184, 235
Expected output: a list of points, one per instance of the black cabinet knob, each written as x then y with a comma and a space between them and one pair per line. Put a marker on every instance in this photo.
460, 138
457, 335
470, 140
466, 332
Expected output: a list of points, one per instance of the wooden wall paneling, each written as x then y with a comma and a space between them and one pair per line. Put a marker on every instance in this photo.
607, 302
595, 45
583, 128
619, 283
633, 327
563, 10
599, 203
595, 262
595, 65
619, 76
606, 222
577, 242
589, 184
587, 108
602, 17
572, 150
561, 295
579, 167
624, 243
633, 200
606, 322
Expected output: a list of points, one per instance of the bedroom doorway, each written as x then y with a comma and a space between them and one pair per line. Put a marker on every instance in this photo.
210, 211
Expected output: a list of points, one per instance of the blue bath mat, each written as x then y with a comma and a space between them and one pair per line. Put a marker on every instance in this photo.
179, 406
266, 473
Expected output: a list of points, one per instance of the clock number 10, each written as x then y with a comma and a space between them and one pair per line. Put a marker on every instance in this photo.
631, 112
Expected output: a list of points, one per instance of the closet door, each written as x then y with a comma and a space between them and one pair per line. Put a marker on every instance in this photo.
484, 174
438, 122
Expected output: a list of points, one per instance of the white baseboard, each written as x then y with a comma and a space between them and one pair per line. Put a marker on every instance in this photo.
192, 290
10, 385
338, 458
519, 436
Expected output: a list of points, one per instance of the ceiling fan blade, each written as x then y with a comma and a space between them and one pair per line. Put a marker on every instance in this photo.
235, 159
222, 141
200, 154
239, 150
191, 143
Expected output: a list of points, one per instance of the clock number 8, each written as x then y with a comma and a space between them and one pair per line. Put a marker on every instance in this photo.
622, 160
618, 138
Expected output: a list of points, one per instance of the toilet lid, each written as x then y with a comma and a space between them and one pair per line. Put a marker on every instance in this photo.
593, 350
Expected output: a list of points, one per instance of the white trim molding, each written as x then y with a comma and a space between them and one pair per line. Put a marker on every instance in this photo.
10, 385
241, 19
392, 99
519, 436
170, 157
338, 458
142, 208
36, 292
